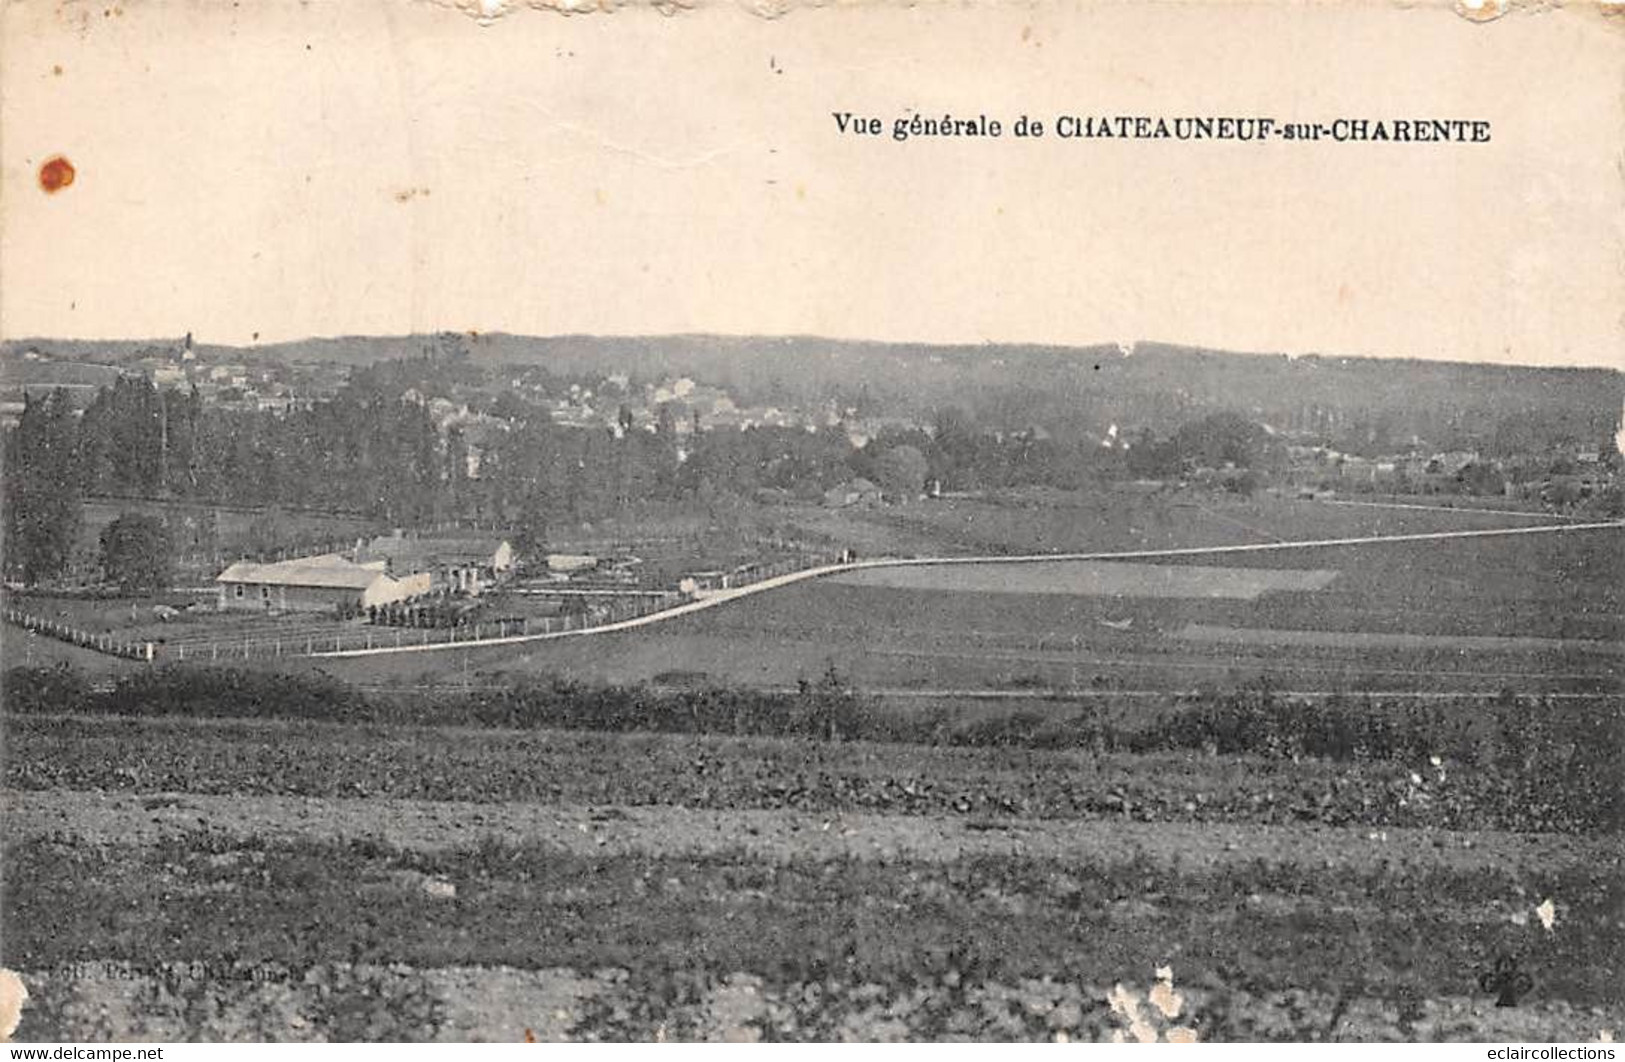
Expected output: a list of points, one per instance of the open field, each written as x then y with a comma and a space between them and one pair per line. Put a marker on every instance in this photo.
506, 939
1530, 613
1121, 518
1534, 613
20, 648
1054, 769
1465, 643
1095, 579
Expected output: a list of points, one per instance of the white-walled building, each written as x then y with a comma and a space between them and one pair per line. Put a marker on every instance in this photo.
313, 584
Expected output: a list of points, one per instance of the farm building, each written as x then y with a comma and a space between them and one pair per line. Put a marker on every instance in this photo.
461, 565
569, 563
858, 491
313, 584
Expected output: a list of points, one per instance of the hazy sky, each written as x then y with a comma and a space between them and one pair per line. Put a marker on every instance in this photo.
284, 170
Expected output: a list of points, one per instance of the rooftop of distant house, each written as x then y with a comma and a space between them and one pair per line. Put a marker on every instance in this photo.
398, 549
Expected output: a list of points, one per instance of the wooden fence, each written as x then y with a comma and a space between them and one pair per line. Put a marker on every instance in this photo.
102, 643
309, 639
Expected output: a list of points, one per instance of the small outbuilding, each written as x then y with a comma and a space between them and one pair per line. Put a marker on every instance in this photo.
461, 565
857, 491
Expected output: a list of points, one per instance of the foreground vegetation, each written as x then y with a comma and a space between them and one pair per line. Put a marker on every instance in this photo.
1509, 762
992, 947
237, 855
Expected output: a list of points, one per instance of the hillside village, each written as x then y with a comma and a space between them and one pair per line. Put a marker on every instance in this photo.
475, 409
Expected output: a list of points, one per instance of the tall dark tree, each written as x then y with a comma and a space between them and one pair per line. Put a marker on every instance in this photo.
42, 494
902, 471
530, 530
137, 554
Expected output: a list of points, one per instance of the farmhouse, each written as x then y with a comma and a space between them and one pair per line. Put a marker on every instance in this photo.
1451, 462
569, 563
461, 565
312, 584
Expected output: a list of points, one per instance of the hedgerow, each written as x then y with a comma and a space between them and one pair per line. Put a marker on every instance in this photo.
1559, 765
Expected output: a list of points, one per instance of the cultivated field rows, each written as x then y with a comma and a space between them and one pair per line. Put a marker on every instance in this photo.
296, 881
779, 835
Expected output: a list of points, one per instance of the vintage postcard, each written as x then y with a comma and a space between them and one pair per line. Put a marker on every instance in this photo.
1046, 521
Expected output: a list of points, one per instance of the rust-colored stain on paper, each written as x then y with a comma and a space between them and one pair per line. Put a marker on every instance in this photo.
55, 174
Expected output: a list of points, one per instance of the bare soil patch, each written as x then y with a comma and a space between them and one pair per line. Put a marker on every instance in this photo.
1096, 579
775, 835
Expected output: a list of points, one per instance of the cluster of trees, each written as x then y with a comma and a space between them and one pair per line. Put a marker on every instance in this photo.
376, 456
960, 454
355, 452
370, 451
138, 554
540, 471
826, 708
382, 458
44, 515
1223, 440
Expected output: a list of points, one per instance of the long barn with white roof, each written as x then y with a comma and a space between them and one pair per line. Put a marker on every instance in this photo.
314, 584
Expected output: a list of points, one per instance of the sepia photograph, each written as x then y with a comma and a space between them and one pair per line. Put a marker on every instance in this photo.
877, 522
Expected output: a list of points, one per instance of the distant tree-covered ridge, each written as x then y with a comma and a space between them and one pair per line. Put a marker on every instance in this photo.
444, 432
1360, 405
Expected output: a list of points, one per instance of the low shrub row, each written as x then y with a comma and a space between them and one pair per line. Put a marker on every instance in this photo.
1563, 762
